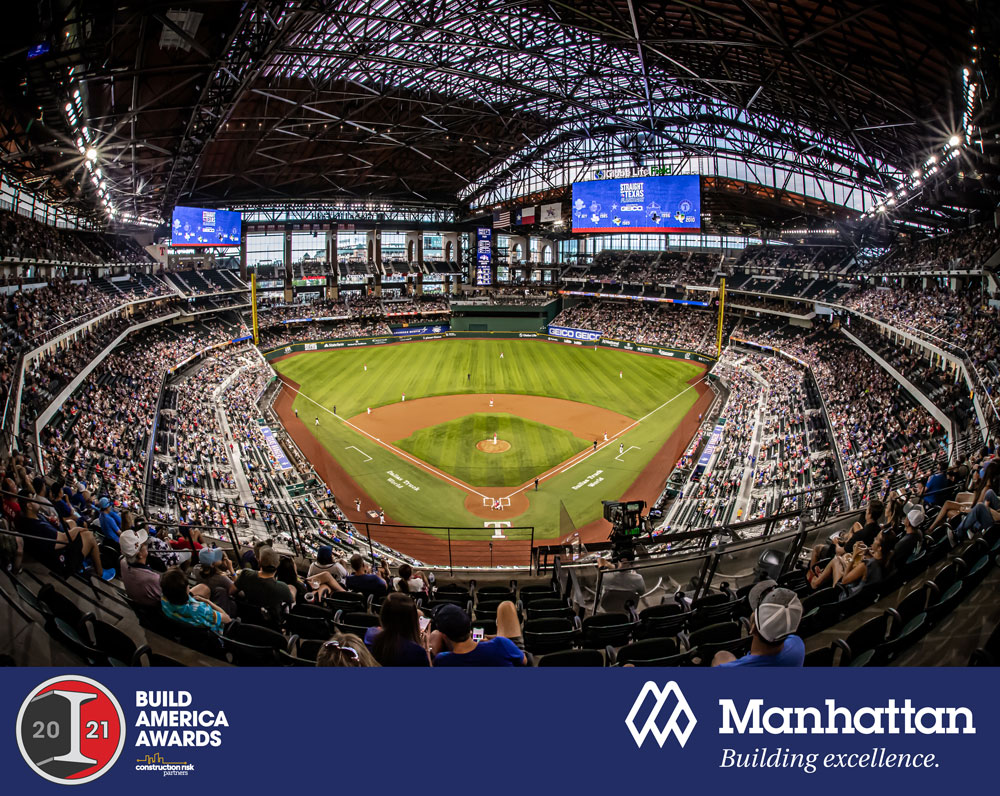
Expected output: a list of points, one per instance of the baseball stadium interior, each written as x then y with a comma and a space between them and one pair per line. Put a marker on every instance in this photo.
404, 333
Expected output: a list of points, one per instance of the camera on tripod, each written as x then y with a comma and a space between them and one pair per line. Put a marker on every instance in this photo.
627, 523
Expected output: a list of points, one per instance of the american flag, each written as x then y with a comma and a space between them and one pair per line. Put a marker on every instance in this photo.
501, 218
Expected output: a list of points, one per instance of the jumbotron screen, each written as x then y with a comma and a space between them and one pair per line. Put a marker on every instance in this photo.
638, 204
199, 226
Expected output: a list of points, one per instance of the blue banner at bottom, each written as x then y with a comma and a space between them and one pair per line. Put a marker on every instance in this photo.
427, 731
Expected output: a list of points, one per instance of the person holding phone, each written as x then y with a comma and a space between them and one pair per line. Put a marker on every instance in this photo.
454, 632
400, 638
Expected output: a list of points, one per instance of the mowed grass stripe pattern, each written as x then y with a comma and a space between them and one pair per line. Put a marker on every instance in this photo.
451, 447
337, 378
453, 367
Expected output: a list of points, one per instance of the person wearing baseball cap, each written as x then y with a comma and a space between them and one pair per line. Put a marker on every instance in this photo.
111, 521
774, 617
215, 573
263, 588
910, 539
142, 583
453, 631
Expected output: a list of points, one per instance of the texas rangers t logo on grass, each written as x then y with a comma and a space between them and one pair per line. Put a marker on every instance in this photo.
681, 714
70, 730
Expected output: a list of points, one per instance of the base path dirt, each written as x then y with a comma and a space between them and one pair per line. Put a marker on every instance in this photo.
399, 420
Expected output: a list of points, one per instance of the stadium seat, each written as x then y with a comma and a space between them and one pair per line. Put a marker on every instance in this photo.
603, 630
528, 594
666, 619
573, 658
860, 646
542, 636
347, 601
548, 608
252, 645
355, 622
115, 647
651, 652
706, 641
989, 653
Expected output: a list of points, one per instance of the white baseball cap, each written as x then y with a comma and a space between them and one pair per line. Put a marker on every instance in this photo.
777, 611
131, 541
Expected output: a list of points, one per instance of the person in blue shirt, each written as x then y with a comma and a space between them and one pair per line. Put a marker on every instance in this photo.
454, 625
111, 521
775, 616
938, 486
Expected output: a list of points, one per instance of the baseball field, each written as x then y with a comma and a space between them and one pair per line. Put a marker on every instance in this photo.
455, 432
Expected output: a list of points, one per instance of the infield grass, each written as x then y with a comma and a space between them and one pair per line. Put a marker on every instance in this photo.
451, 447
651, 389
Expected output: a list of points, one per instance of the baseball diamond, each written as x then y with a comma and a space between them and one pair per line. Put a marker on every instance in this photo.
423, 459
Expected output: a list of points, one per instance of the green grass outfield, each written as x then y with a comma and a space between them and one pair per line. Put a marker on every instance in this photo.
530, 367
451, 447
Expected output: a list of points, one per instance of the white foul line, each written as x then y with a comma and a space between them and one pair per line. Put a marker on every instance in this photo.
583, 456
397, 451
573, 462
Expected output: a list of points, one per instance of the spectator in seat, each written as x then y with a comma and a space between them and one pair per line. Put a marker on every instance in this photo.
345, 650
325, 563
408, 581
398, 640
190, 607
453, 637
775, 616
215, 571
981, 517
621, 578
362, 580
865, 531
142, 584
70, 547
938, 486
262, 588
111, 521
907, 544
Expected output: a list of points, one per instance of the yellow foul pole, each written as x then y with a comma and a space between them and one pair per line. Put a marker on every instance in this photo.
722, 308
253, 306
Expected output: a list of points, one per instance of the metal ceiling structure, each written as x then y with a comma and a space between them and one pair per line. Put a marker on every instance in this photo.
272, 101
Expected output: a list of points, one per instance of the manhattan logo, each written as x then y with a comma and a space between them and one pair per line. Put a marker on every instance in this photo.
681, 713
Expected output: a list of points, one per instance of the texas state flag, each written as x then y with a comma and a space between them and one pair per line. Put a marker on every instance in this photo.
528, 215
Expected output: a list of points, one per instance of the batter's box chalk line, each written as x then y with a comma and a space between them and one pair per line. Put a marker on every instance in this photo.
488, 501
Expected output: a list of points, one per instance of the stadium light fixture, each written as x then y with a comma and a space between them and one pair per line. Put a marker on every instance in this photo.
91, 154
955, 140
915, 174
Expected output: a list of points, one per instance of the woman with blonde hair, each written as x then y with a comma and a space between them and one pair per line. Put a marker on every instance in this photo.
345, 650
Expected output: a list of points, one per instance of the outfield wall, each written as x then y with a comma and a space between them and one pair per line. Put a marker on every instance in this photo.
503, 317
361, 342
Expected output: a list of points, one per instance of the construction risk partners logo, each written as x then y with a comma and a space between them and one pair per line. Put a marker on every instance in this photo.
70, 730
680, 722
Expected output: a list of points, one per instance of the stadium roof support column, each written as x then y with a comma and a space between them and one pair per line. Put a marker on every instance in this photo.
331, 250
287, 261
243, 258
414, 247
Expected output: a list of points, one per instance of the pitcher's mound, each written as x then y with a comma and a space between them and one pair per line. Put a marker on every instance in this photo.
489, 446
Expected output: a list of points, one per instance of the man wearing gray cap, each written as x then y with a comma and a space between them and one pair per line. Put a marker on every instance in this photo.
774, 618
